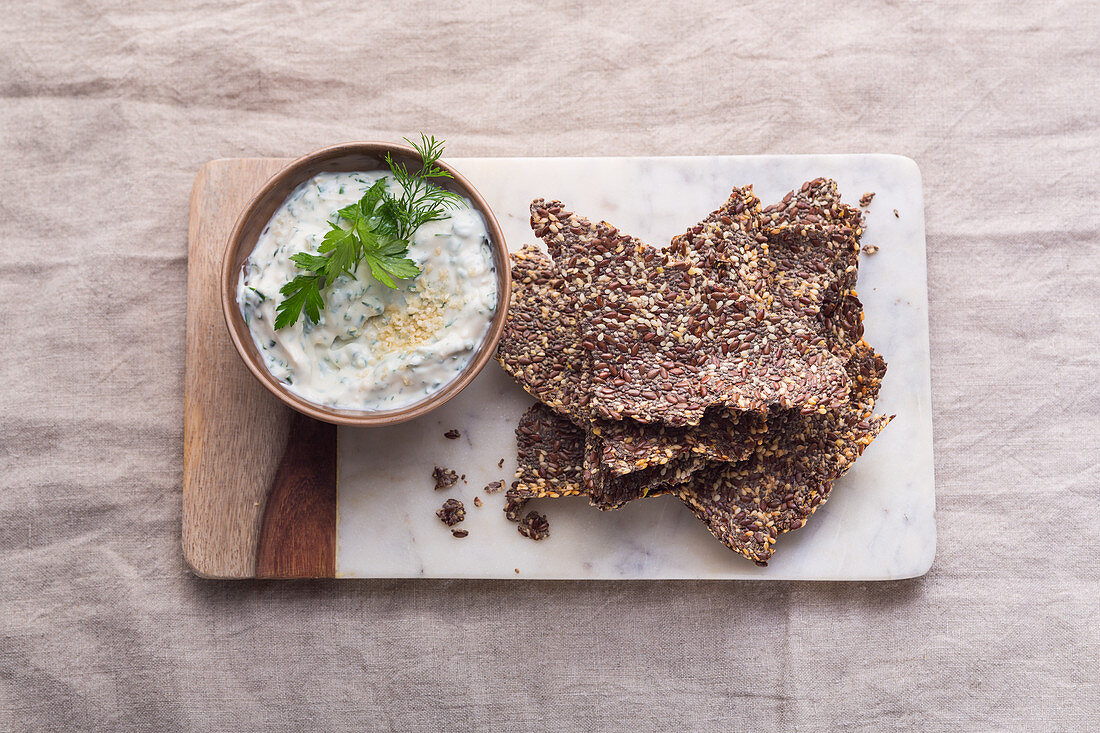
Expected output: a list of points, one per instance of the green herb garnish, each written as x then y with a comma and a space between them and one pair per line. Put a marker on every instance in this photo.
379, 229
421, 201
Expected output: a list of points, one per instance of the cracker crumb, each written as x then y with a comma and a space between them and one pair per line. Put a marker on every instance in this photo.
517, 571
896, 215
451, 513
445, 478
865, 199
460, 533
452, 434
477, 502
534, 526
494, 487
870, 249
500, 463
512, 508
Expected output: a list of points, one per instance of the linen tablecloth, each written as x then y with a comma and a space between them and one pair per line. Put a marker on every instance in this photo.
109, 110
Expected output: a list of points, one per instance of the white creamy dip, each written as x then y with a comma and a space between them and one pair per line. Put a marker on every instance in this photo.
374, 348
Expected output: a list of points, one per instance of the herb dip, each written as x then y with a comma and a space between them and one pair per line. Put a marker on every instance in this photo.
374, 347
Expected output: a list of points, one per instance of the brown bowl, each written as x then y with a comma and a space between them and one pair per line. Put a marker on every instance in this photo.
345, 157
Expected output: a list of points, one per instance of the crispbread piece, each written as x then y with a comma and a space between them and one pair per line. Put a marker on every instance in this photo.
540, 347
552, 368
550, 457
628, 445
538, 351
798, 253
544, 350
669, 339
748, 505
551, 464
801, 253
798, 258
606, 490
730, 238
813, 244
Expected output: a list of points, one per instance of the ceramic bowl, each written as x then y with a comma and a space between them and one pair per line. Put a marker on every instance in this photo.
359, 156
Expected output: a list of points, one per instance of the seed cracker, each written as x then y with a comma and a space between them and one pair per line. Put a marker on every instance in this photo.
800, 253
539, 352
668, 339
792, 469
813, 242
550, 457
537, 294
606, 490
628, 445
539, 347
797, 253
551, 464
748, 505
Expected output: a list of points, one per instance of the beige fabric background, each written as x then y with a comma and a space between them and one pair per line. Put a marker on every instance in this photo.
109, 110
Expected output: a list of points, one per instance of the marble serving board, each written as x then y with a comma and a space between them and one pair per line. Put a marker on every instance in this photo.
879, 522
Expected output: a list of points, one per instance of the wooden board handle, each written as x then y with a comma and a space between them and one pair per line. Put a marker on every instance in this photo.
298, 535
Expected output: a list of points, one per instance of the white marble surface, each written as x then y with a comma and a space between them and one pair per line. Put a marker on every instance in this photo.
879, 523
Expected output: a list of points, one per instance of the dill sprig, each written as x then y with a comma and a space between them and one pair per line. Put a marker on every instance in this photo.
420, 201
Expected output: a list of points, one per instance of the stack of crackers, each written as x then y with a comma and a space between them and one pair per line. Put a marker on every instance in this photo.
727, 369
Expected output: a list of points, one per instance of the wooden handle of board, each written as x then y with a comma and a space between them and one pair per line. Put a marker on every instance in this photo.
298, 534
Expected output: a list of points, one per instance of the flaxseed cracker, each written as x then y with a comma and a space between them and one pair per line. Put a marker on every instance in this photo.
748, 505
538, 351
550, 456
730, 238
797, 253
800, 253
813, 241
540, 354
540, 348
829, 442
550, 364
606, 490
628, 445
551, 464
668, 339
572, 240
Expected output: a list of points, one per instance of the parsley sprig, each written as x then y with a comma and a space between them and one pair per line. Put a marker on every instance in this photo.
376, 230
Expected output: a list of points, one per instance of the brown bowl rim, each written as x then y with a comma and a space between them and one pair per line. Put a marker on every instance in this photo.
246, 347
